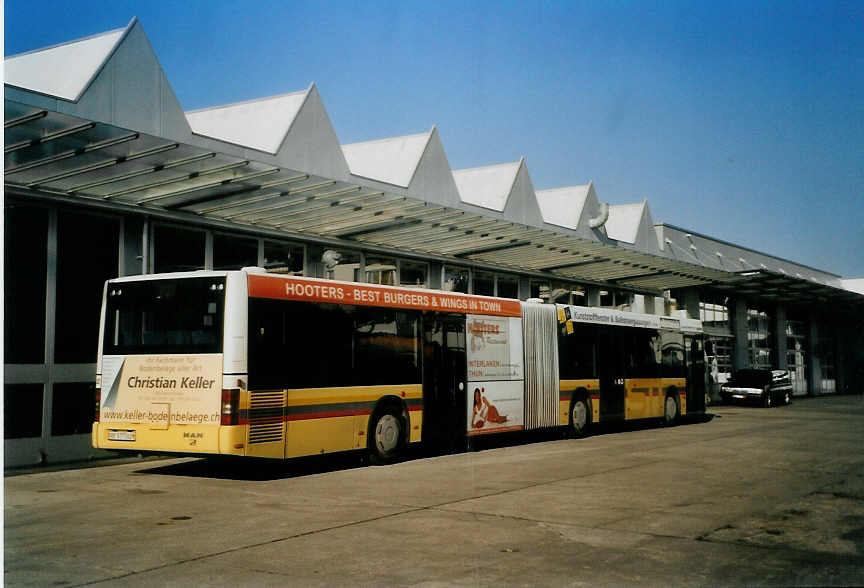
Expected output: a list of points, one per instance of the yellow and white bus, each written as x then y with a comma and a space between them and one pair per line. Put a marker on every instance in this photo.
248, 363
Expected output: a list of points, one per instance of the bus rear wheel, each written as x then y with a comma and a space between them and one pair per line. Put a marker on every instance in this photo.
670, 410
580, 417
387, 437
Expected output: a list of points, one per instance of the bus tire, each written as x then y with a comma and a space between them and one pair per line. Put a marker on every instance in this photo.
386, 435
670, 409
580, 416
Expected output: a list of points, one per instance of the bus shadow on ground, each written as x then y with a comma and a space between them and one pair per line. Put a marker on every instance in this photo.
482, 443
263, 470
259, 470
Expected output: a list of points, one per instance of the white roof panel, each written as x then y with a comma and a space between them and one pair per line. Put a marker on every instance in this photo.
392, 161
623, 222
260, 124
63, 71
854, 285
563, 206
487, 186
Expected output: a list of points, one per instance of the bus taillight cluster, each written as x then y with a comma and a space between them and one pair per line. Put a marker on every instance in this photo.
231, 406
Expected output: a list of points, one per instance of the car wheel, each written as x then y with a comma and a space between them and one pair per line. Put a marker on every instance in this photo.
670, 410
580, 417
387, 438
787, 397
767, 400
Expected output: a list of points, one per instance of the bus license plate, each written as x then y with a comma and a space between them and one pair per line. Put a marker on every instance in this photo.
121, 435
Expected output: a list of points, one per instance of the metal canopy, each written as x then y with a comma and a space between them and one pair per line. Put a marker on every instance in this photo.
50, 153
783, 288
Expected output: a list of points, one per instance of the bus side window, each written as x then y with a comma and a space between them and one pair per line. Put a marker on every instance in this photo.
386, 347
577, 353
673, 354
644, 354
267, 343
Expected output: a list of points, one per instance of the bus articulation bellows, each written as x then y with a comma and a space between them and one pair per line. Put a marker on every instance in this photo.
248, 363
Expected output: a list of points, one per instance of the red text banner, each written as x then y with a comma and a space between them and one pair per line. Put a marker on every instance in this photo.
311, 290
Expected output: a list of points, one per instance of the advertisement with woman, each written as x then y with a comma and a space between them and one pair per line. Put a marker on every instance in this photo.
495, 375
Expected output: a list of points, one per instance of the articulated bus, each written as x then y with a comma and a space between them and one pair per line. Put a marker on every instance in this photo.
247, 363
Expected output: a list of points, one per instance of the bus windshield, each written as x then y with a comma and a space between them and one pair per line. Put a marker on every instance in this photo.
181, 315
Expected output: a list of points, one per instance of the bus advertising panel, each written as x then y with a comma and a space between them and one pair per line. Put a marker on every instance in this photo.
162, 389
495, 374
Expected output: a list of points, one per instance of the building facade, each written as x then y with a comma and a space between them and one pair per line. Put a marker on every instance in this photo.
106, 176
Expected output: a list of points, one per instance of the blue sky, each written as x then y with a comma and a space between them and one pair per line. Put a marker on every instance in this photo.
740, 120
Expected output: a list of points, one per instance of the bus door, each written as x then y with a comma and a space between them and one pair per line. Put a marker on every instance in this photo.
611, 362
444, 381
695, 358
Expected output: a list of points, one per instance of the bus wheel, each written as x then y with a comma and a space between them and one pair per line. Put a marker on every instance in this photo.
580, 417
387, 437
670, 410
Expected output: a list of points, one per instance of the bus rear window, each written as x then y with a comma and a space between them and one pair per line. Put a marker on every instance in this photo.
182, 315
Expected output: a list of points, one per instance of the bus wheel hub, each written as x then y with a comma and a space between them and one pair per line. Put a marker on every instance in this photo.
387, 433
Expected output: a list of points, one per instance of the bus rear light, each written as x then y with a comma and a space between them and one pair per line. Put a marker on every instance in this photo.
231, 406
98, 403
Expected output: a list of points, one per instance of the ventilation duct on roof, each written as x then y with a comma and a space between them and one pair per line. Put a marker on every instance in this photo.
601, 218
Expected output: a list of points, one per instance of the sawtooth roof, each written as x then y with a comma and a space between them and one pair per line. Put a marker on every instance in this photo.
391, 161
63, 70
489, 186
261, 124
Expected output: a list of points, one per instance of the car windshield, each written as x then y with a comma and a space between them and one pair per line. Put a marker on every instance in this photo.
751, 378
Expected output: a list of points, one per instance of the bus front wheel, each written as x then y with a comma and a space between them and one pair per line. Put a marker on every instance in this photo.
387, 437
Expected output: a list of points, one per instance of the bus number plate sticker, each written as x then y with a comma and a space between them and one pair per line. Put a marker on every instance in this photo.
121, 435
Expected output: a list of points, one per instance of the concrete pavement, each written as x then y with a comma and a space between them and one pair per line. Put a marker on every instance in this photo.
751, 497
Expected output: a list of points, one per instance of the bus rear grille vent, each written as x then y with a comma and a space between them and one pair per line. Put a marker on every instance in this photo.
266, 411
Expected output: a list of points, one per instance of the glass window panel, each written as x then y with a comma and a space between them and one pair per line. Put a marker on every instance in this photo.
456, 279
87, 255
607, 298
645, 359
231, 253
827, 363
577, 297
380, 270
22, 410
578, 352
385, 347
672, 354
25, 254
508, 287
539, 289
73, 408
283, 258
760, 339
181, 315
177, 250
623, 300
299, 345
484, 284
714, 311
557, 292
413, 274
